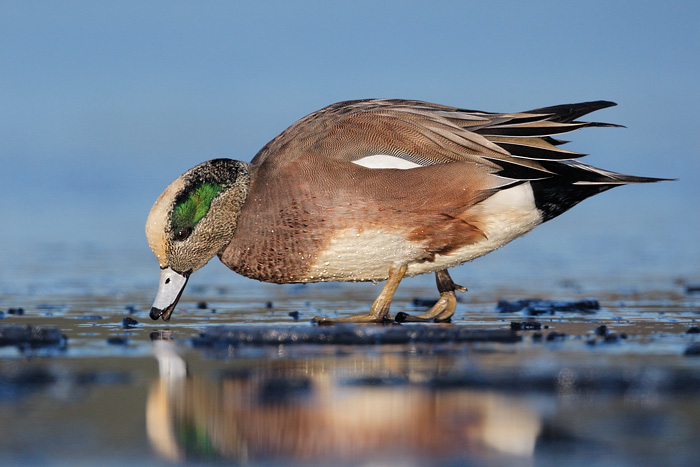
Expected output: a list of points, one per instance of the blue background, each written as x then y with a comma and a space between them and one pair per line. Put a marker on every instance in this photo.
102, 104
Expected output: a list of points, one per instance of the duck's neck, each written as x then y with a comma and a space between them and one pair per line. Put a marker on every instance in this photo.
235, 197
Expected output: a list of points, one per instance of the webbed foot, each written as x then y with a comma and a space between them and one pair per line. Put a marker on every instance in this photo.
443, 309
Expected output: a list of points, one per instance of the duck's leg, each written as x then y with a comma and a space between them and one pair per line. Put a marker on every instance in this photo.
379, 312
445, 306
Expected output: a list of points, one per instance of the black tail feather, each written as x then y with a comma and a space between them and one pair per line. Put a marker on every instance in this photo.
575, 182
567, 113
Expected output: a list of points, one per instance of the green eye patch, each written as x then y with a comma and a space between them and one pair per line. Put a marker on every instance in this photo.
190, 208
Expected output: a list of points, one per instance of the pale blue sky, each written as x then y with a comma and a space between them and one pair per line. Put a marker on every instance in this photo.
103, 103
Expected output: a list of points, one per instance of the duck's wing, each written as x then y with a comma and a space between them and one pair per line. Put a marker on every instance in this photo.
392, 133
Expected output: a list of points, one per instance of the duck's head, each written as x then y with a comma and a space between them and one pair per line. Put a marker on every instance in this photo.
191, 222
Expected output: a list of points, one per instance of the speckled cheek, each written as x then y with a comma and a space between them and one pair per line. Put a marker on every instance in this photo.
157, 222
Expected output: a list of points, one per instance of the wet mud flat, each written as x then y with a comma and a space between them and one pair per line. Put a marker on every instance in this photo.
612, 380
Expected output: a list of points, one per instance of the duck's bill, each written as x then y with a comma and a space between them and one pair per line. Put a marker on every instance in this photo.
170, 287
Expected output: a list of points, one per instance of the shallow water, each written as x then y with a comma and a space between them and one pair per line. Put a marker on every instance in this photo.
160, 393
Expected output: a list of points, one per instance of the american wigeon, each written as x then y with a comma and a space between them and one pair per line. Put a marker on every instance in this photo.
374, 190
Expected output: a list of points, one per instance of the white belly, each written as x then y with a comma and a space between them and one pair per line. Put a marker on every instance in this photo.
352, 255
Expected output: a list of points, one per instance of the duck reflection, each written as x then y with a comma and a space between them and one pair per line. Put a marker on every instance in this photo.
300, 411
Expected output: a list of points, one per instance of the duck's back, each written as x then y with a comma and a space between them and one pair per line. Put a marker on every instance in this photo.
326, 202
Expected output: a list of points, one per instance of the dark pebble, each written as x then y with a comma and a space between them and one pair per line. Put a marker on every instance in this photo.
693, 330
611, 338
294, 314
537, 336
555, 336
534, 307
692, 350
15, 311
118, 341
17, 385
89, 378
692, 288
201, 305
601, 331
268, 305
128, 323
525, 326
33, 336
131, 309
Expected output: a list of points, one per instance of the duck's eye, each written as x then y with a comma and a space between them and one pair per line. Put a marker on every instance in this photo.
183, 233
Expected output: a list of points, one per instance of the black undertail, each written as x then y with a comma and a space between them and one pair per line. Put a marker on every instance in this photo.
554, 196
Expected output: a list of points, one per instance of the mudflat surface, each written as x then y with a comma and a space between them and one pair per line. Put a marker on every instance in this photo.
539, 373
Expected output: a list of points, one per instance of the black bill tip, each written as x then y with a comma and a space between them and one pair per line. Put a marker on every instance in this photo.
155, 313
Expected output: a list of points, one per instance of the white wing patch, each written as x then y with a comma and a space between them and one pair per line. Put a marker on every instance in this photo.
382, 161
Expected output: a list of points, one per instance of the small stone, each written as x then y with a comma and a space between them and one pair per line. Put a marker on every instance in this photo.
33, 336
16, 311
692, 350
601, 331
201, 305
128, 323
525, 326
552, 336
294, 314
533, 307
611, 338
693, 330
118, 341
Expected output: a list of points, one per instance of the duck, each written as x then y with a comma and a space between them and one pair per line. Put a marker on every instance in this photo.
375, 190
